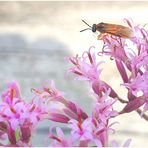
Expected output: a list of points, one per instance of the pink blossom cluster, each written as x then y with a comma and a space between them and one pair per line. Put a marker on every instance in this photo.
131, 58
19, 119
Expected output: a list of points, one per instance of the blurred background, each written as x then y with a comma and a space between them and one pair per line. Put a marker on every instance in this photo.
36, 36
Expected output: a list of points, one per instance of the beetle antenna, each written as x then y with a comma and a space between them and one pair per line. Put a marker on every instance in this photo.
85, 29
86, 23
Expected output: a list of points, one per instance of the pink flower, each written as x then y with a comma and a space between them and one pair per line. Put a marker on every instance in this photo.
113, 46
64, 110
85, 67
100, 135
138, 86
81, 130
130, 54
60, 140
49, 92
100, 87
12, 92
58, 117
133, 105
103, 111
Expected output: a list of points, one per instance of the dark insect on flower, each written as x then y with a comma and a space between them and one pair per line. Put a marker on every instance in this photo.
113, 29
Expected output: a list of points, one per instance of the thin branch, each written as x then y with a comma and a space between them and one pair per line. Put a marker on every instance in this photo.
143, 115
121, 100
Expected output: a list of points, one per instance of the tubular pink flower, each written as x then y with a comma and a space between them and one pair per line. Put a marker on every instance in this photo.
26, 132
100, 87
60, 140
101, 133
133, 105
81, 130
69, 111
139, 84
13, 91
122, 70
57, 117
49, 92
103, 111
85, 67
113, 46
76, 109
139, 63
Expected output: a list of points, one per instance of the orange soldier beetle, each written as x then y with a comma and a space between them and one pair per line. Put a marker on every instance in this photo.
113, 29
